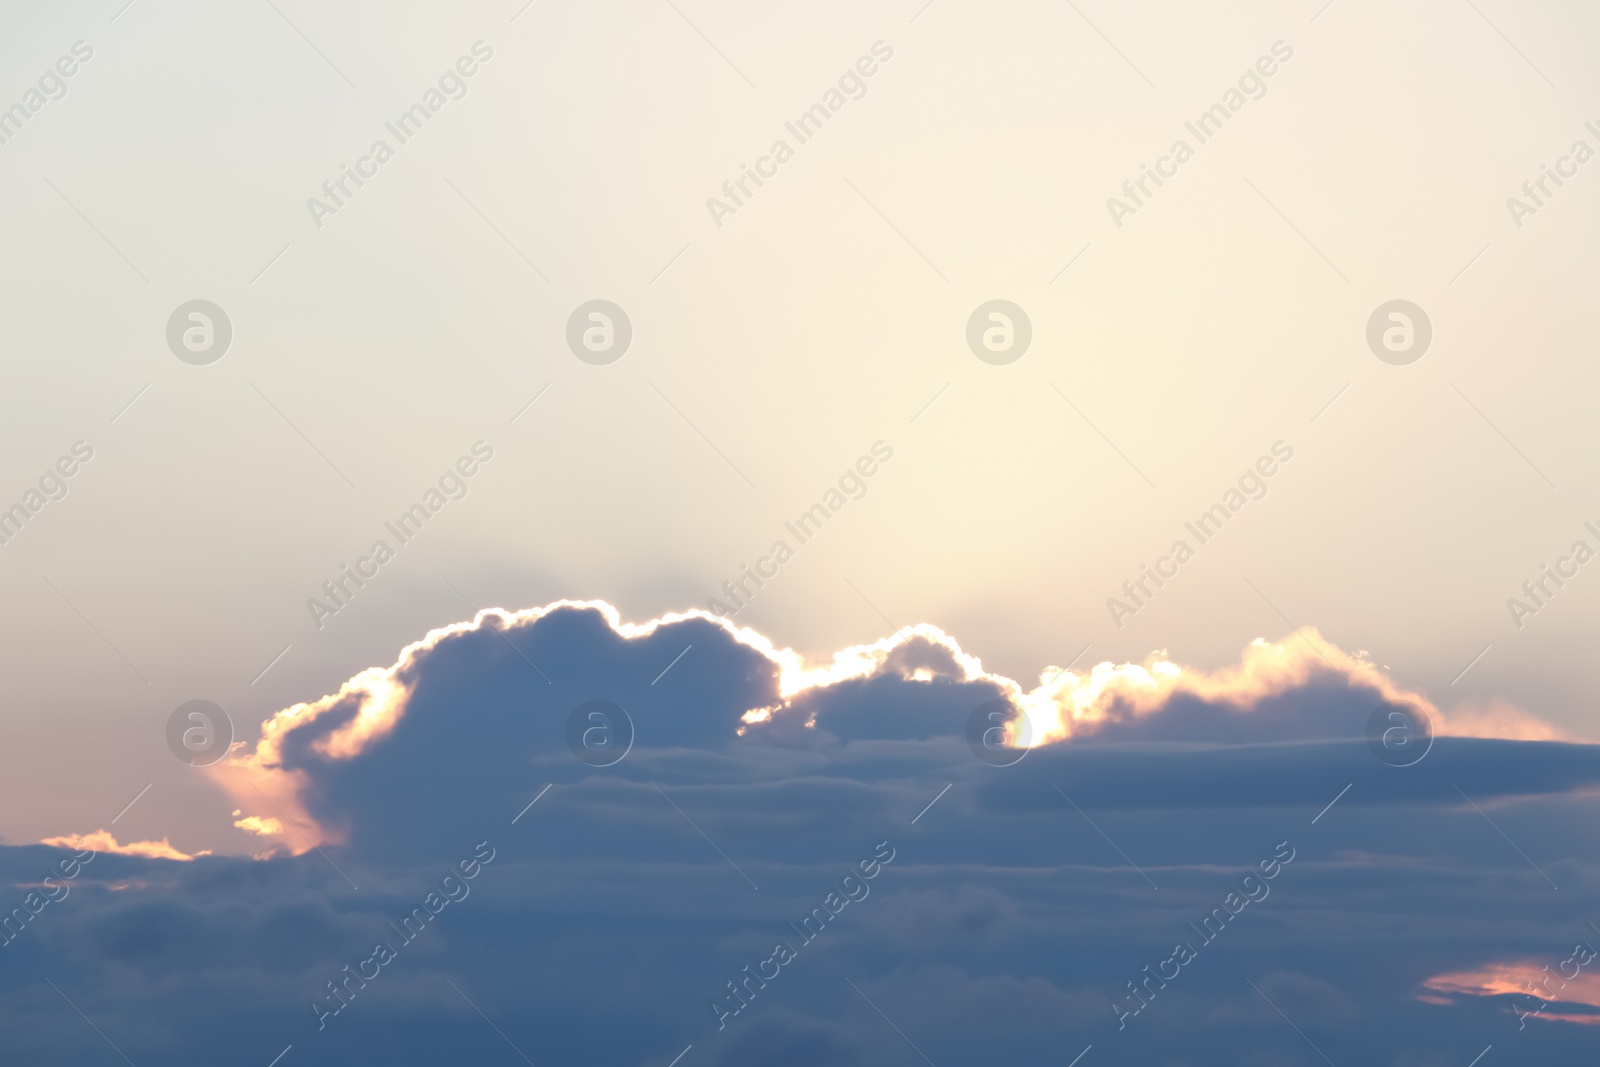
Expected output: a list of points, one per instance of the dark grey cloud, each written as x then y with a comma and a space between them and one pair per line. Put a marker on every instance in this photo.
1014, 912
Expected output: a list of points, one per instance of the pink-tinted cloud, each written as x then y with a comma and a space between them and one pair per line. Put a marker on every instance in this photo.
1554, 996
104, 841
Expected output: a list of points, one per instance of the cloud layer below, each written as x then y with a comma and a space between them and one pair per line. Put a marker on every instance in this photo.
434, 846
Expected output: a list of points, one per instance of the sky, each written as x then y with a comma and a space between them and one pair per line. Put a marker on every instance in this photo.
1119, 429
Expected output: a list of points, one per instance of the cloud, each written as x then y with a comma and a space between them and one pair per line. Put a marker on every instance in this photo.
468, 681
1500, 718
104, 841
1538, 990
785, 1039
256, 824
625, 898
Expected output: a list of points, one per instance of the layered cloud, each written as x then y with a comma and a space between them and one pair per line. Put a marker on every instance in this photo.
630, 902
